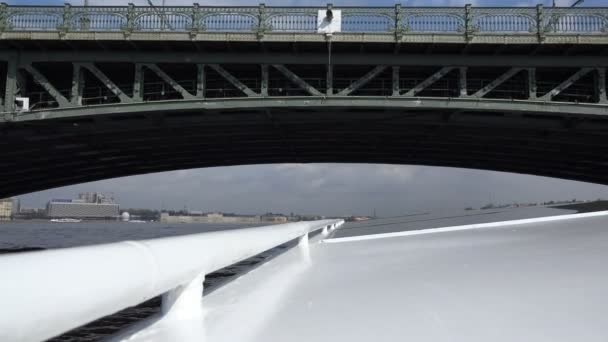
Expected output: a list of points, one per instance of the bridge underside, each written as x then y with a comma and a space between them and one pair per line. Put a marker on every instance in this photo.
109, 108
42, 154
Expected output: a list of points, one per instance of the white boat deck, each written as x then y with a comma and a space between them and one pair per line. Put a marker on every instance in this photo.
531, 282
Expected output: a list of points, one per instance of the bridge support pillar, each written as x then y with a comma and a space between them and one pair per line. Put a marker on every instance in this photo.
138, 83
462, 82
78, 85
601, 85
264, 81
396, 87
10, 89
532, 84
200, 80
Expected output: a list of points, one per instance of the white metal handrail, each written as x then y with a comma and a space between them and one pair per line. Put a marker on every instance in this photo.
46, 293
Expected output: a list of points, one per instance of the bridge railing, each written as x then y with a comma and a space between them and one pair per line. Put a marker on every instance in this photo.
261, 19
50, 292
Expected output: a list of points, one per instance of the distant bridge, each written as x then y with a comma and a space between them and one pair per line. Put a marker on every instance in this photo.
98, 92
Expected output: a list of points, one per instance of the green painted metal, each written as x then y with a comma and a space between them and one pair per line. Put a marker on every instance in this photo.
532, 89
107, 82
386, 86
297, 80
78, 80
362, 81
163, 75
498, 81
430, 80
44, 82
235, 82
482, 105
601, 84
524, 61
200, 80
565, 84
10, 85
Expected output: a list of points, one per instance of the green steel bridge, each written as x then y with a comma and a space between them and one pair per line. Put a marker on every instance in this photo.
98, 92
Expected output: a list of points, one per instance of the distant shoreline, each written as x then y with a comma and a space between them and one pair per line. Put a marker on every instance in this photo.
585, 207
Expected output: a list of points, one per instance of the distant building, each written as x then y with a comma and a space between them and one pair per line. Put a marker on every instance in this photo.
6, 209
82, 210
88, 206
274, 218
209, 218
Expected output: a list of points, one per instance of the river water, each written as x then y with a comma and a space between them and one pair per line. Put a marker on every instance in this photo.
38, 235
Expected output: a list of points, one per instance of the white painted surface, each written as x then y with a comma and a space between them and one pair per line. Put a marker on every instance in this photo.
46, 293
23, 104
542, 281
465, 227
326, 26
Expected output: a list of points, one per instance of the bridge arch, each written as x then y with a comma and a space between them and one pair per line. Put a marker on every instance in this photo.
98, 143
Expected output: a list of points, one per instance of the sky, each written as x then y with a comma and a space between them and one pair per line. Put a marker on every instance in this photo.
326, 189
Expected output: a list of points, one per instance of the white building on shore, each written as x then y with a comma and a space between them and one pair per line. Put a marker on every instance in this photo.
87, 206
6, 209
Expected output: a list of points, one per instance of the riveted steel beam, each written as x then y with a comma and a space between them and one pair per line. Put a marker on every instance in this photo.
10, 85
297, 80
77, 85
363, 80
601, 85
107, 82
44, 83
233, 80
427, 82
163, 75
200, 80
462, 82
396, 86
138, 83
264, 80
285, 58
568, 82
531, 83
482, 105
502, 78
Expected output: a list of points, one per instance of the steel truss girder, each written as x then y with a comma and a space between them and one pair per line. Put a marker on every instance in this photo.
78, 83
163, 75
297, 80
363, 80
107, 82
427, 82
565, 84
44, 83
233, 80
498, 81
